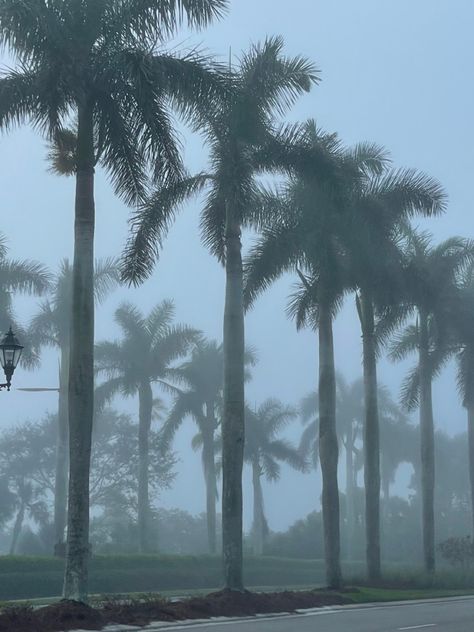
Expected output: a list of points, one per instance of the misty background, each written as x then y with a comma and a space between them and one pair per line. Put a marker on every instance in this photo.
395, 72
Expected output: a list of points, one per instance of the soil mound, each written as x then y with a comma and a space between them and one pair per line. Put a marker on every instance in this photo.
72, 615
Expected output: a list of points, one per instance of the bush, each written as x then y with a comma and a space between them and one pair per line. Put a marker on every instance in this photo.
458, 551
30, 577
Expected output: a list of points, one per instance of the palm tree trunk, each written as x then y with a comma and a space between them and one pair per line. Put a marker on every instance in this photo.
17, 528
81, 367
470, 434
210, 478
258, 512
350, 509
427, 447
371, 441
60, 481
145, 396
233, 422
328, 448
386, 496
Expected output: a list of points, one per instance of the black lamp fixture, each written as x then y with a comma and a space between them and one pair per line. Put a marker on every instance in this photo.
10, 353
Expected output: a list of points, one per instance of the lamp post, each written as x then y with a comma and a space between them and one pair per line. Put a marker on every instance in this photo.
10, 352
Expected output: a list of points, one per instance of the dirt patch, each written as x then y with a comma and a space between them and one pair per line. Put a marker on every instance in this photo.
71, 615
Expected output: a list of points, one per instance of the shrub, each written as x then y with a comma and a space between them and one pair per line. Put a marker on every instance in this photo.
458, 551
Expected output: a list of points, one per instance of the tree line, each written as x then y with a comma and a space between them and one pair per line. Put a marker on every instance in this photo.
96, 80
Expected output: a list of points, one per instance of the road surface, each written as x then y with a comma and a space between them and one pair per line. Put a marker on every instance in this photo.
449, 615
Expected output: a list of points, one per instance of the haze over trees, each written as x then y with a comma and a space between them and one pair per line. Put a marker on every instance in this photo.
96, 81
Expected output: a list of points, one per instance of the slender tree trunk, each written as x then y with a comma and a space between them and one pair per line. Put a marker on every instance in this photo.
371, 441
210, 476
145, 396
20, 516
61, 475
427, 446
328, 448
350, 509
258, 511
386, 496
233, 422
81, 367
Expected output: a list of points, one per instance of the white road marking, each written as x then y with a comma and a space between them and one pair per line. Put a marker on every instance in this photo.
417, 627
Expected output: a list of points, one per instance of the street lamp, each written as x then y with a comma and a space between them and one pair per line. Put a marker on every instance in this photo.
10, 352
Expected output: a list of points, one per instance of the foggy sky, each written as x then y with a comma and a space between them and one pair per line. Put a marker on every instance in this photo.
395, 72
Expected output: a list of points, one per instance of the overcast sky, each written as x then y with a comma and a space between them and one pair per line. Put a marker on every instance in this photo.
396, 72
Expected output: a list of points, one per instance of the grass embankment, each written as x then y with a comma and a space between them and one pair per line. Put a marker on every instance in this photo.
39, 577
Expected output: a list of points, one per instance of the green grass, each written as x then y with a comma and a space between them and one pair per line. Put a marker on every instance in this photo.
30, 578
374, 595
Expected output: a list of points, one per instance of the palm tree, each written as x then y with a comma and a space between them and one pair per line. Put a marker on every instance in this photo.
430, 277
97, 62
349, 414
51, 327
202, 377
19, 277
28, 504
383, 200
264, 451
313, 210
459, 343
143, 357
265, 84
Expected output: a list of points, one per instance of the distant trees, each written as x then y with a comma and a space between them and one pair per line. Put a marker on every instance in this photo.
132, 365
264, 451
201, 400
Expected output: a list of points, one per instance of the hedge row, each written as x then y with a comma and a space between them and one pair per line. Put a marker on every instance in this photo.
27, 577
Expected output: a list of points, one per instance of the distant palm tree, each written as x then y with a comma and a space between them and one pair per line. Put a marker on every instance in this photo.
264, 451
202, 377
143, 357
51, 327
239, 135
102, 63
19, 277
29, 504
430, 277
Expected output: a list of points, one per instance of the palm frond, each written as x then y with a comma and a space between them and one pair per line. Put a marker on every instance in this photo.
150, 225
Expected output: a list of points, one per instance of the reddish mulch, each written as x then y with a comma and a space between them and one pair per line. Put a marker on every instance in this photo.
71, 615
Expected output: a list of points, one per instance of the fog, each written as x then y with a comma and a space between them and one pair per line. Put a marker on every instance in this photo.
396, 73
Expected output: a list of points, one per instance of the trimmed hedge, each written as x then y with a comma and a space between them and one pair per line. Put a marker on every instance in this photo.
30, 577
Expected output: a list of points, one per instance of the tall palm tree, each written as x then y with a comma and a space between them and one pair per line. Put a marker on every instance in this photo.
51, 327
100, 63
264, 451
201, 399
463, 334
382, 201
430, 277
313, 210
132, 365
265, 84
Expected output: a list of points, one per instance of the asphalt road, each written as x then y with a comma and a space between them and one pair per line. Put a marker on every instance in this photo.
453, 615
